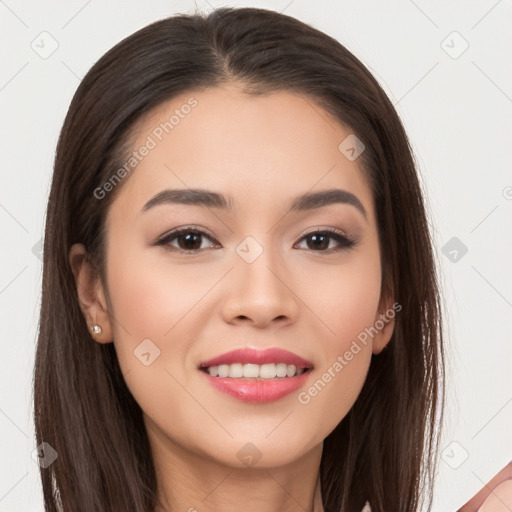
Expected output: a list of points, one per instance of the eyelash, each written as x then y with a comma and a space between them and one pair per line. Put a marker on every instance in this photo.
344, 241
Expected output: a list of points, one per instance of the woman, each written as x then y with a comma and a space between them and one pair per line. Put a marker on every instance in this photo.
240, 304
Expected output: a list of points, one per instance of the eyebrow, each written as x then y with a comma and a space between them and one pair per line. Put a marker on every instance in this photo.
209, 199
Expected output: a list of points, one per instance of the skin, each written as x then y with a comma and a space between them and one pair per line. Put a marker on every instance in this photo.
495, 496
263, 152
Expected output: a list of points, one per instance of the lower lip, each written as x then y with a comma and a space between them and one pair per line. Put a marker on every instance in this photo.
259, 391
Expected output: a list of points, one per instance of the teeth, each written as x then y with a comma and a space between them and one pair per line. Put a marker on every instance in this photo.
255, 371
251, 371
235, 370
281, 369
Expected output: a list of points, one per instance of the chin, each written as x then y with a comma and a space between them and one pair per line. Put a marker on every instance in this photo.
258, 452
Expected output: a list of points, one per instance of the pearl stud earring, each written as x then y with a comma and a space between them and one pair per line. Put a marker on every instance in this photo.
96, 329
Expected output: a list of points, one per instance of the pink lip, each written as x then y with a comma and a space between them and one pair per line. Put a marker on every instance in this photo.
255, 356
257, 390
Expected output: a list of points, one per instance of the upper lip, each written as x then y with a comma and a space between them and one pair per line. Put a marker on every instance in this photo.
258, 356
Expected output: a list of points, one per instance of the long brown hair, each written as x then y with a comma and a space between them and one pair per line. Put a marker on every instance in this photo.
385, 448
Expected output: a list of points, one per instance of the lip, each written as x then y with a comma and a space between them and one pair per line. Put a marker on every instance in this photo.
257, 390
257, 356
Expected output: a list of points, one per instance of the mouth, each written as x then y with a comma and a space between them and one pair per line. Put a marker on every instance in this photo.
257, 375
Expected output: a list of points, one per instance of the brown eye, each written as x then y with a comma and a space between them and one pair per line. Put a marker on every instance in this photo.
320, 241
190, 240
187, 240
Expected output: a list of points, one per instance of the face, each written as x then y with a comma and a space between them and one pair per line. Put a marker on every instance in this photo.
267, 272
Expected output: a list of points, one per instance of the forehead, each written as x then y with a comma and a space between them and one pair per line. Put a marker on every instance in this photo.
258, 150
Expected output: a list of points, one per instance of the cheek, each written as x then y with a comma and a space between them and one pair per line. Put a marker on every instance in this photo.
333, 391
347, 308
151, 296
149, 302
344, 297
154, 308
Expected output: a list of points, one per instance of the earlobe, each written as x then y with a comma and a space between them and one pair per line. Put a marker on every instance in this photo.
90, 295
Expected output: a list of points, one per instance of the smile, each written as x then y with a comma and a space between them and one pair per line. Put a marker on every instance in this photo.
257, 375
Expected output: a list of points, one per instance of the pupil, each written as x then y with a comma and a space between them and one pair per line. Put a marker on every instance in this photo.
188, 238
321, 245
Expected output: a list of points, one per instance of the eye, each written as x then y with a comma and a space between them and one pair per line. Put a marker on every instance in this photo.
188, 240
320, 241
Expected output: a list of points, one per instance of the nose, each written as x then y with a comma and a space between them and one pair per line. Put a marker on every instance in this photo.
260, 293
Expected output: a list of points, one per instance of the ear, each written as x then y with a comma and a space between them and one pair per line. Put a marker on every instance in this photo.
91, 295
384, 321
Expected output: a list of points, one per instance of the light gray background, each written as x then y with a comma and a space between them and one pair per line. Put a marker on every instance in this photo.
456, 107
